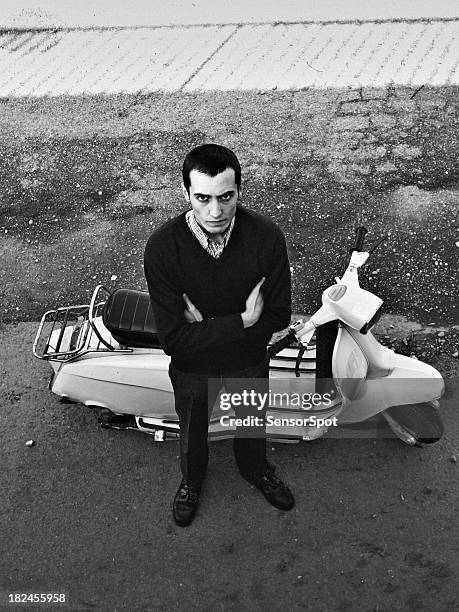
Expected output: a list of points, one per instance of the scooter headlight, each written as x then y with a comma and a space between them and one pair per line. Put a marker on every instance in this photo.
354, 306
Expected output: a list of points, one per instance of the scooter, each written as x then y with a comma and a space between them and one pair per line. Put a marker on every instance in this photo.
107, 355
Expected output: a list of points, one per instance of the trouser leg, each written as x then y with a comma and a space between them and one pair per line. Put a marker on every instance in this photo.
192, 407
250, 452
250, 455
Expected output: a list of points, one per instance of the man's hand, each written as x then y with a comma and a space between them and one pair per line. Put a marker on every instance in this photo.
192, 314
253, 305
251, 314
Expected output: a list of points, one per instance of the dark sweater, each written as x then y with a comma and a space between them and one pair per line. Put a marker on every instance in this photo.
175, 263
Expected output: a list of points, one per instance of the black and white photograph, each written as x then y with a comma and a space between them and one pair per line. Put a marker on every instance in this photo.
229, 315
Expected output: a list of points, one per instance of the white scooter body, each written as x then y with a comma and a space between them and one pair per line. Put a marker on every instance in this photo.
137, 382
91, 367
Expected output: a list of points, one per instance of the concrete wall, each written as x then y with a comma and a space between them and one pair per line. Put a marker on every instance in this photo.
107, 13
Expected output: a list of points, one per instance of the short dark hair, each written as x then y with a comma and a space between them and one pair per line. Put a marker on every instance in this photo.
210, 159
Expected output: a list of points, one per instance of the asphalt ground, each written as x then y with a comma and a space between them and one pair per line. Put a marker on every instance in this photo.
87, 512
85, 180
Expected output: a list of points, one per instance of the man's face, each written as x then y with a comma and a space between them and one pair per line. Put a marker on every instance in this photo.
213, 199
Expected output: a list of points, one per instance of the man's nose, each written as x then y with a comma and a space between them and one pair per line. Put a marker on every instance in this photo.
215, 208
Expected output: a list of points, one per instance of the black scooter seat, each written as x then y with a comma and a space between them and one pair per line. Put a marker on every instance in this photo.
128, 316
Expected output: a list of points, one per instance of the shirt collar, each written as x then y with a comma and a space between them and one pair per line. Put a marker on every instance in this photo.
211, 246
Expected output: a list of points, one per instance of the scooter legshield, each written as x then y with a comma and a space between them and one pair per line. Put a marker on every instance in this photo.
373, 378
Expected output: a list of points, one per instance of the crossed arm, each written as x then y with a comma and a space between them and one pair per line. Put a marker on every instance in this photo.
253, 307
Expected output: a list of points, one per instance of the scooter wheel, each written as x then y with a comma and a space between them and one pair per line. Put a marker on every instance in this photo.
109, 420
415, 424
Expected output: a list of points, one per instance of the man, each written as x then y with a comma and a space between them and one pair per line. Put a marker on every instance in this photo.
219, 281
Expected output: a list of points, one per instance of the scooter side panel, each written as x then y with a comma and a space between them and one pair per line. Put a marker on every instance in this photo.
124, 383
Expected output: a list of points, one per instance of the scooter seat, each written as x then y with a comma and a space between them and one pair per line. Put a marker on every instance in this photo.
128, 316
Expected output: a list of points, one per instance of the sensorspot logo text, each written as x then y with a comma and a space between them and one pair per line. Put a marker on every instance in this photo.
273, 421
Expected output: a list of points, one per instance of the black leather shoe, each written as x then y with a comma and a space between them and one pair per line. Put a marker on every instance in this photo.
185, 504
275, 491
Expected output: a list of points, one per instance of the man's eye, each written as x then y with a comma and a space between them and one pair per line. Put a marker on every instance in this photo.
202, 198
225, 197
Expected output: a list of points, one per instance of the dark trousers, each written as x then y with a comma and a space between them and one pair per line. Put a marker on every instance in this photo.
195, 395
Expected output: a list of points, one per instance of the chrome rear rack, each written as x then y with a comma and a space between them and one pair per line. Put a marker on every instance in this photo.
70, 331
63, 327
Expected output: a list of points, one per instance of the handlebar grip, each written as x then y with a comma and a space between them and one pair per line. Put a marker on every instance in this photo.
359, 238
284, 342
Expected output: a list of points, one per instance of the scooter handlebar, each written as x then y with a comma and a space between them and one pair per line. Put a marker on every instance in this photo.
284, 342
359, 238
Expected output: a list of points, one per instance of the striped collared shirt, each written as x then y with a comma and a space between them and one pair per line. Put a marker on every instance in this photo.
213, 247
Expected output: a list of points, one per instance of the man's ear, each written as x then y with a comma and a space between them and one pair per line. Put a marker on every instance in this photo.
186, 195
240, 191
